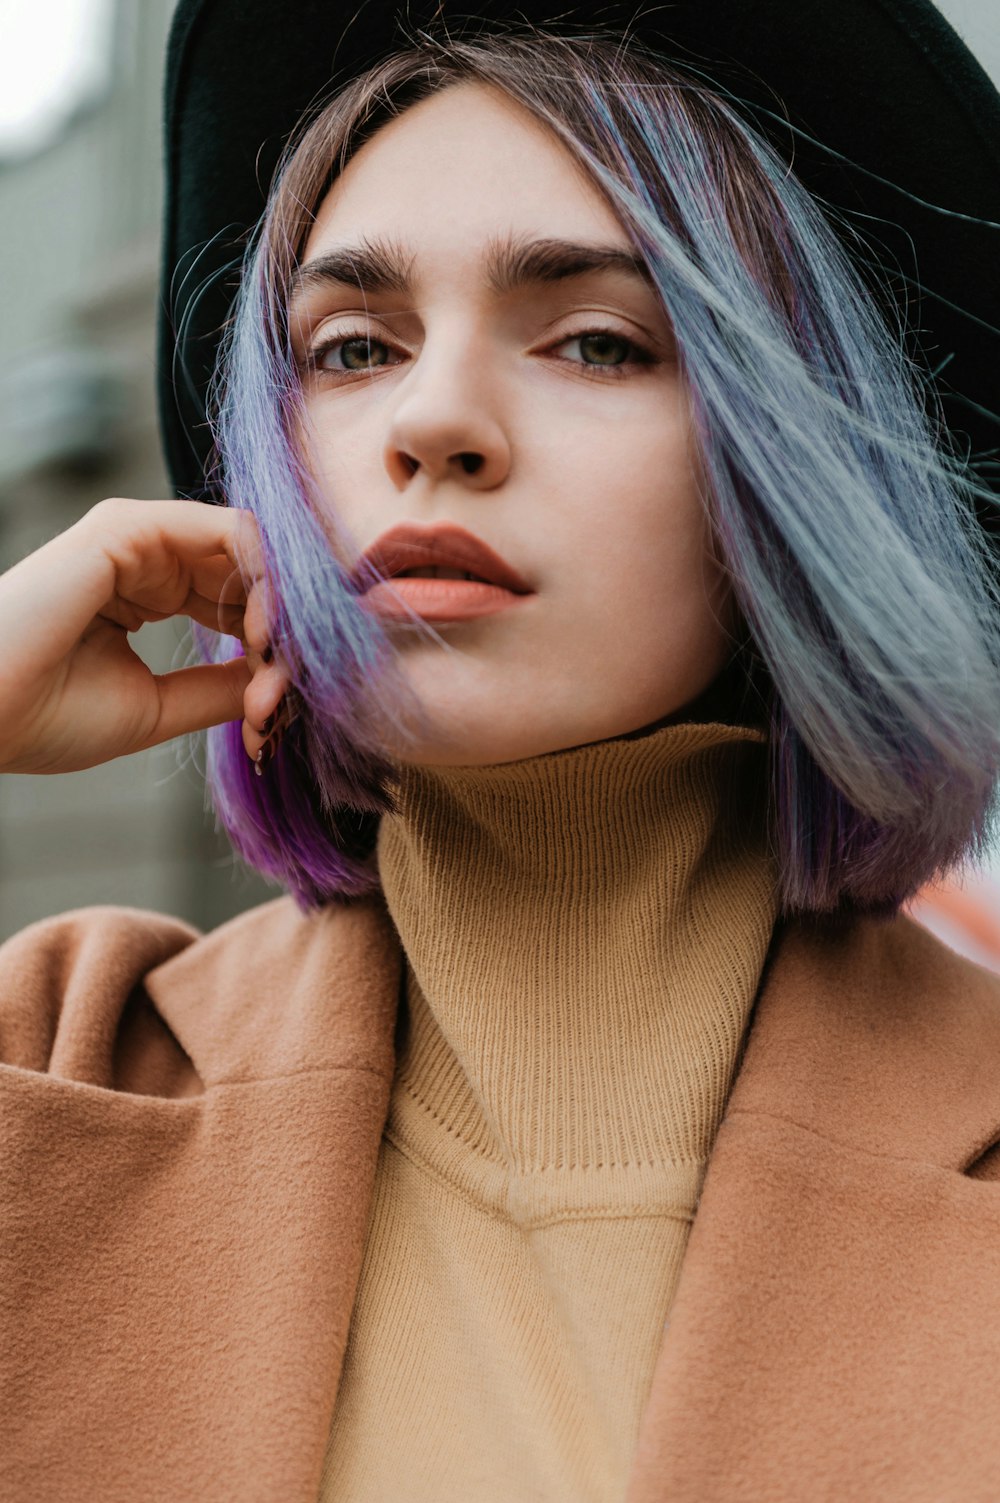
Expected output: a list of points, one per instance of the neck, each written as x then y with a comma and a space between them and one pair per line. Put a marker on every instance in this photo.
584, 932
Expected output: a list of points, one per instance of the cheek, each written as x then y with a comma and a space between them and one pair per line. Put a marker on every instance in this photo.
635, 514
658, 599
342, 464
641, 600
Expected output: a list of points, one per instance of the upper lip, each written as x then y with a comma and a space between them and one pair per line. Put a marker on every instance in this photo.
410, 545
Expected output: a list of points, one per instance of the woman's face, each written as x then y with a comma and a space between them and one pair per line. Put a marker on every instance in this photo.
546, 416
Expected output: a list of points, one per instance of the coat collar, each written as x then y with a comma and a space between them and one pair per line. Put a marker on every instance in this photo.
836, 1328
205, 1115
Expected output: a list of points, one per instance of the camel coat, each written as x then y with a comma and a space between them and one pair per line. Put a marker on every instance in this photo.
188, 1136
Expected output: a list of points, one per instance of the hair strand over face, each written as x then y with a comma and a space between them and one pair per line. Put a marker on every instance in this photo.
866, 589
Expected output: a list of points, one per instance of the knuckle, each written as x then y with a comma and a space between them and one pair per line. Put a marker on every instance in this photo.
108, 515
111, 506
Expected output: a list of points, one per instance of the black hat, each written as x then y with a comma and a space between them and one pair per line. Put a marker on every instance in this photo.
908, 126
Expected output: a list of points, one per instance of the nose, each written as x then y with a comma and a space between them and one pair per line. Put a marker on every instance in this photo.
446, 425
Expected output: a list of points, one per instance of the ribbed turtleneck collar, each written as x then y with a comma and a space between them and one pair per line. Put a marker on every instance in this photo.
585, 933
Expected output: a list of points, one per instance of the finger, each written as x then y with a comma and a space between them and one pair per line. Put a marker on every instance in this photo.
116, 561
248, 549
257, 626
192, 699
275, 727
225, 619
262, 701
216, 578
191, 529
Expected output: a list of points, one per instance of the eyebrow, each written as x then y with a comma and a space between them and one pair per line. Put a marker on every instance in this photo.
381, 266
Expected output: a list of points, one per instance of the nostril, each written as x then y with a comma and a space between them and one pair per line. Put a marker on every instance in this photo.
471, 462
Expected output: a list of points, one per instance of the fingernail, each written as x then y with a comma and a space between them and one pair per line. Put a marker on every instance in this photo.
262, 758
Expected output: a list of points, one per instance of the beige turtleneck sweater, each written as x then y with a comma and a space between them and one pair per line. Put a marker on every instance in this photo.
585, 933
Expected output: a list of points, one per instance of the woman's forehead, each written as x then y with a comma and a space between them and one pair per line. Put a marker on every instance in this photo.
462, 166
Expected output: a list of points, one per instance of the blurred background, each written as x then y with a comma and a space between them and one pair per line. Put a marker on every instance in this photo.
80, 185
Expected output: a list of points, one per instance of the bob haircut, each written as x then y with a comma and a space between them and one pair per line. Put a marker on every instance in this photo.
866, 588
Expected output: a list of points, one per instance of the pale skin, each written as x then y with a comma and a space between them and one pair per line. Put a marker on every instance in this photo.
585, 481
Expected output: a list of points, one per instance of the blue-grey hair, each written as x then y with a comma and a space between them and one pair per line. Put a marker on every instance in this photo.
865, 584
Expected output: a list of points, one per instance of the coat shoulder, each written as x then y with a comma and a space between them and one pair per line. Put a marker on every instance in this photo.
131, 1000
876, 1032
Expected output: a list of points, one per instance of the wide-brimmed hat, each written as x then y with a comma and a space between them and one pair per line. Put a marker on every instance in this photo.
882, 110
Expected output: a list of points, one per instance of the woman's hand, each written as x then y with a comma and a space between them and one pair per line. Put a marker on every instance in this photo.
72, 691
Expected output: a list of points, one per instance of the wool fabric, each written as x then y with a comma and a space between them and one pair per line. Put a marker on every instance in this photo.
584, 933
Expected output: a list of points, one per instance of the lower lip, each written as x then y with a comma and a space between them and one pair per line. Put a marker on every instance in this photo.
438, 599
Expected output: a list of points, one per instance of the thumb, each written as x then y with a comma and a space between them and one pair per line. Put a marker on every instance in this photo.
192, 699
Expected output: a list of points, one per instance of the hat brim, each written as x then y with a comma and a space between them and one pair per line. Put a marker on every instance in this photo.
908, 120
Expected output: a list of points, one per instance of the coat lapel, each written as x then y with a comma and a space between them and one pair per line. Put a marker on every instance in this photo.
189, 1130
181, 1291
836, 1328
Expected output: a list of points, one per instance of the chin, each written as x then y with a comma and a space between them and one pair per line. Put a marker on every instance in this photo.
491, 748
451, 736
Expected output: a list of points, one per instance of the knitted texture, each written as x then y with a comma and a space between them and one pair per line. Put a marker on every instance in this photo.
585, 933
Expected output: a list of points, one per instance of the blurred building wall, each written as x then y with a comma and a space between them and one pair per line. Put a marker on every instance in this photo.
78, 292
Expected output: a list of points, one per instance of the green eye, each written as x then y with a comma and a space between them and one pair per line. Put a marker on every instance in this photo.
598, 343
361, 355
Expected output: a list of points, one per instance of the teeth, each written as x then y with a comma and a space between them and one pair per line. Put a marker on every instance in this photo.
435, 572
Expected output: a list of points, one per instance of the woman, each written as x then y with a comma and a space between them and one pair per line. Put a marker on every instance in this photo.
389, 1188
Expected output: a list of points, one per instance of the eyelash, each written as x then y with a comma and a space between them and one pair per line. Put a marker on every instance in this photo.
599, 372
